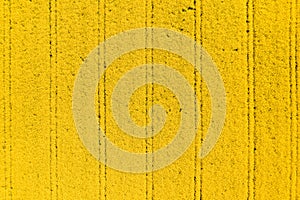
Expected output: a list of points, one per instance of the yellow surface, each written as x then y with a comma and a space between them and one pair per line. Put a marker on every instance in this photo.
254, 45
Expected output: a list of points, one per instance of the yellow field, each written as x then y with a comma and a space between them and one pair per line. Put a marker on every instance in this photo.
255, 48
